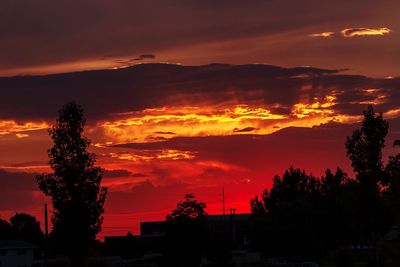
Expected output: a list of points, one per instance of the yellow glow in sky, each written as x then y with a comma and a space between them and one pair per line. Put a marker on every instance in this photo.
11, 126
351, 32
159, 124
322, 34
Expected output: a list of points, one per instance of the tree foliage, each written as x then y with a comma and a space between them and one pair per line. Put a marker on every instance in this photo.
392, 171
74, 185
364, 148
293, 215
25, 226
295, 186
188, 209
5, 230
22, 226
186, 233
305, 216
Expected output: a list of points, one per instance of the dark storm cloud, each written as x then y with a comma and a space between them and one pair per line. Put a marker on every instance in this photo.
106, 93
47, 32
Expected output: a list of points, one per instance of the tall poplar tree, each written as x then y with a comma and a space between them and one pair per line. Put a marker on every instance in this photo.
74, 186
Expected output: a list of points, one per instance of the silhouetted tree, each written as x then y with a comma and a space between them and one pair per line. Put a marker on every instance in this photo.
302, 216
333, 206
364, 148
74, 186
186, 233
189, 209
295, 185
285, 218
392, 171
26, 227
332, 183
5, 230
392, 201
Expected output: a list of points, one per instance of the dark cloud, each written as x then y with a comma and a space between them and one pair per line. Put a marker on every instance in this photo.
121, 173
167, 133
123, 62
28, 164
244, 130
106, 93
43, 32
145, 56
138, 174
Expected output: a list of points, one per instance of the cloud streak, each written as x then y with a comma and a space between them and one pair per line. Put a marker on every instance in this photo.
322, 34
354, 32
145, 56
20, 129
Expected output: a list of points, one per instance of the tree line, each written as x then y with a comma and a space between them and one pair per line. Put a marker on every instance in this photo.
306, 216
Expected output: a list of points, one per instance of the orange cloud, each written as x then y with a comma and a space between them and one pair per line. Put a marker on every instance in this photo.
303, 110
317, 112
393, 113
158, 124
352, 32
153, 124
13, 127
375, 96
322, 34
21, 135
149, 155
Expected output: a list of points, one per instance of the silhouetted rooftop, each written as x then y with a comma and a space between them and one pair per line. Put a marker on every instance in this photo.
16, 244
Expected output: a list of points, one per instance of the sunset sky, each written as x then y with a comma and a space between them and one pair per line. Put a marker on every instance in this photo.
191, 96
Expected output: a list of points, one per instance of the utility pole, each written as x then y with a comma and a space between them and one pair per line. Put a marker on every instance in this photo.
223, 201
232, 211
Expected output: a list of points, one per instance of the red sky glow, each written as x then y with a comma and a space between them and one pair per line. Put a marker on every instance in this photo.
191, 96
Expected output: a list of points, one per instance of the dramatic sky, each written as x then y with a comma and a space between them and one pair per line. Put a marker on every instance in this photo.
292, 79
